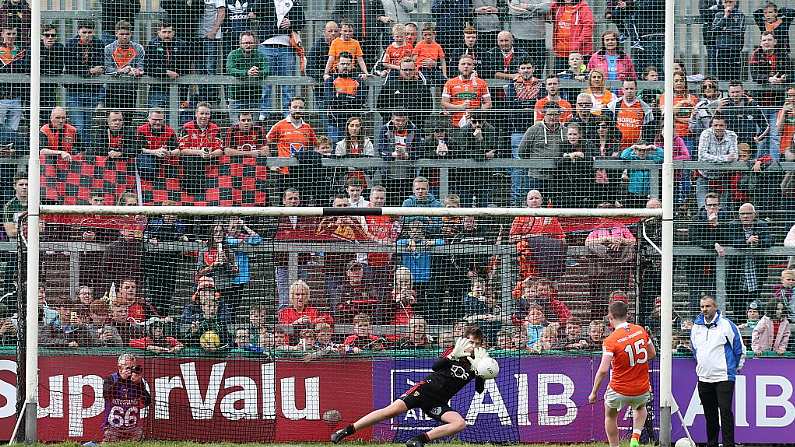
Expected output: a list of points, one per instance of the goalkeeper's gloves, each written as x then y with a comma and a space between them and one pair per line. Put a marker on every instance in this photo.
459, 350
478, 355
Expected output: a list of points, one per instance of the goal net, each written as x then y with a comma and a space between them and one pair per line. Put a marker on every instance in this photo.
288, 327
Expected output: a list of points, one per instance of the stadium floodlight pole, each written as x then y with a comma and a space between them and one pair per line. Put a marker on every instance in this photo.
275, 211
34, 201
666, 268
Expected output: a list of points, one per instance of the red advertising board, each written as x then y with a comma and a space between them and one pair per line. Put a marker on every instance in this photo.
198, 399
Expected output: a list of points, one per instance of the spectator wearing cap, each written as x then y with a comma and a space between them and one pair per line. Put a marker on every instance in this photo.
752, 315
206, 312
544, 140
357, 294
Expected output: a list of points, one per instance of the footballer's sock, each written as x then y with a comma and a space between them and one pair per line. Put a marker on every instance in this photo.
635, 441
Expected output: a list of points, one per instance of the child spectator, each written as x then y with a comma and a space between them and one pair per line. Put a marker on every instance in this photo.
534, 324
307, 341
417, 336
345, 44
650, 96
238, 236
481, 308
417, 259
362, 338
403, 297
217, 260
431, 61
574, 340
752, 318
577, 71
783, 291
596, 334
396, 51
156, 341
411, 33
549, 340
505, 339
773, 331
324, 343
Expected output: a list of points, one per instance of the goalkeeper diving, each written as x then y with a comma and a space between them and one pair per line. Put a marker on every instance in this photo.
451, 372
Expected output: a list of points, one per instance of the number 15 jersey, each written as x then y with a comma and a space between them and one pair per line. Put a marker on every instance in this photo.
628, 345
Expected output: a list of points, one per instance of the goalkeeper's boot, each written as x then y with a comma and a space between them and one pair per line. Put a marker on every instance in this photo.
417, 441
339, 435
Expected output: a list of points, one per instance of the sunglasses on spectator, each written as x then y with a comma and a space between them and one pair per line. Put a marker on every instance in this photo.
49, 34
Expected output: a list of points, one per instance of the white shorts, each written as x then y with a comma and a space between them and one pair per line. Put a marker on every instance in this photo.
618, 401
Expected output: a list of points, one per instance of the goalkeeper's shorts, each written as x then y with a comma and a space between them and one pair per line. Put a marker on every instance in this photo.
418, 397
618, 401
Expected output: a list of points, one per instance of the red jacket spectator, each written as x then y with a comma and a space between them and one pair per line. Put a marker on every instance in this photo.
572, 28
289, 315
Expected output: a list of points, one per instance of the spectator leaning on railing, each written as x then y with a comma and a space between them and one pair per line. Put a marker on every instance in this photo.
58, 137
716, 145
750, 267
123, 58
85, 56
166, 59
250, 67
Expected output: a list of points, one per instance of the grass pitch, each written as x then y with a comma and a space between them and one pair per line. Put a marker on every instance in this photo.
318, 444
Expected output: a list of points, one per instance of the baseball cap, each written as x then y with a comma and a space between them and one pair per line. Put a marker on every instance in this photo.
355, 265
205, 282
753, 305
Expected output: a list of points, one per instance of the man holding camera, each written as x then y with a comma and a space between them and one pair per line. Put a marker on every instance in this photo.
125, 394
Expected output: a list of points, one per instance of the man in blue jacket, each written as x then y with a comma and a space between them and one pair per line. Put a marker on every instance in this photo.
720, 354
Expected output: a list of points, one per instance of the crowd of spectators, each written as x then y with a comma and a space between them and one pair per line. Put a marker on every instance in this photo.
460, 87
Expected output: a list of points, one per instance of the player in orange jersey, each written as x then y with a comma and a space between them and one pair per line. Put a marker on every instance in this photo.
628, 349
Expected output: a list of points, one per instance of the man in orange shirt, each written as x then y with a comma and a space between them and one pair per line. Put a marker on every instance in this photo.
629, 349
633, 116
289, 136
465, 92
